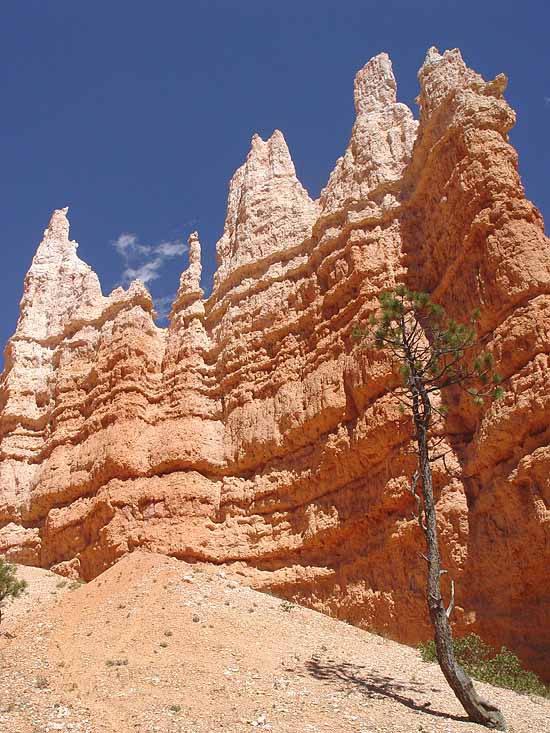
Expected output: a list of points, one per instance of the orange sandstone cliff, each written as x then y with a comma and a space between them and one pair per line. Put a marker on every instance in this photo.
254, 430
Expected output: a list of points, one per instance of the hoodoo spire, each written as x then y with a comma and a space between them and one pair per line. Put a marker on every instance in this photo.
380, 147
190, 289
59, 286
268, 209
375, 86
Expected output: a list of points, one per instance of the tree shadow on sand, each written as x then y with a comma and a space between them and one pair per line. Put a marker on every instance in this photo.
375, 686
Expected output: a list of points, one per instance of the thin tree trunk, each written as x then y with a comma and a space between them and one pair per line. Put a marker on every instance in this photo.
479, 710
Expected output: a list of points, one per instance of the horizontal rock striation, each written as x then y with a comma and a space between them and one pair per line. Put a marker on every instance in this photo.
255, 430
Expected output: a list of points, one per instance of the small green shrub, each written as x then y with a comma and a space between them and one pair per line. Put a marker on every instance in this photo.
75, 584
484, 663
10, 587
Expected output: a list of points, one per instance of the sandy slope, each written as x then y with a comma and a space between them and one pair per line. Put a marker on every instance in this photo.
155, 644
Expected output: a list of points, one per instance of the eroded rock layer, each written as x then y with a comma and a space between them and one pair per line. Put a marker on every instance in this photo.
255, 430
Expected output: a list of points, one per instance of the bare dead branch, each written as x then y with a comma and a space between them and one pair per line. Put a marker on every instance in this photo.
441, 455
452, 474
419, 510
452, 601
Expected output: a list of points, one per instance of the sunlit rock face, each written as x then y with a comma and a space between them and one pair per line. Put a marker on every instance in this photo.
255, 430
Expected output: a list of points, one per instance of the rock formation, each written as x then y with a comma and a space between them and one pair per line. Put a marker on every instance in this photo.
254, 430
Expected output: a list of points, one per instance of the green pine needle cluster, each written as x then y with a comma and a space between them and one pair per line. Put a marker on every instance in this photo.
430, 346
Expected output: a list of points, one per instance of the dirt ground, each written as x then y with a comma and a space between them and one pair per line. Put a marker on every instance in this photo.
155, 644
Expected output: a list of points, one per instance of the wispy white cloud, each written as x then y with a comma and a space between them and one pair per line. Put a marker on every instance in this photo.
547, 100
146, 272
170, 249
145, 261
125, 243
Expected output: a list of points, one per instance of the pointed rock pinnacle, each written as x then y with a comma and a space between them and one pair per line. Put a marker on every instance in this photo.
375, 86
58, 228
195, 251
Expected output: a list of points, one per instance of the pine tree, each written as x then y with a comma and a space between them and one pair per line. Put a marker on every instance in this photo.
434, 352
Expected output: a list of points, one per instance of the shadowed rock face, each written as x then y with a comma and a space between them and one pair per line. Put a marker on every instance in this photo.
255, 430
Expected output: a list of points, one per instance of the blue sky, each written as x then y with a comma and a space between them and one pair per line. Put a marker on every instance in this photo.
135, 114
